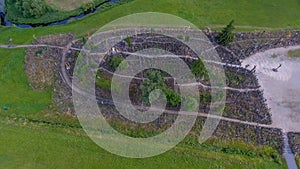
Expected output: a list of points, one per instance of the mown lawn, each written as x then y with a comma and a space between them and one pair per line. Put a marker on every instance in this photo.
31, 145
15, 91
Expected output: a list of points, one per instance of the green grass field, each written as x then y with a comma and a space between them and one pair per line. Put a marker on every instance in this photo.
30, 145
16, 93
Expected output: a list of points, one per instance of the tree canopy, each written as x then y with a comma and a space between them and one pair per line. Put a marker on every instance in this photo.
87, 7
31, 8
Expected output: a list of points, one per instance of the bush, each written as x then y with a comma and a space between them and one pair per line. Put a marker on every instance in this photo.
128, 41
107, 84
173, 98
190, 104
117, 63
234, 78
88, 7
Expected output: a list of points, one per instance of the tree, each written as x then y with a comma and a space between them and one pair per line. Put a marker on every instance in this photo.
198, 68
31, 8
226, 36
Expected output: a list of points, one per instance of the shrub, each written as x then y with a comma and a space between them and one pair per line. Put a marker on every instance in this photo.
118, 64
128, 41
88, 7
198, 68
173, 98
190, 104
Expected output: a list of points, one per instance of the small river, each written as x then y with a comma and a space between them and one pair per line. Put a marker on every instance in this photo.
2, 12
5, 22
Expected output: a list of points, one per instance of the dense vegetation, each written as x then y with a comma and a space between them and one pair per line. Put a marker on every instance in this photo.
38, 12
31, 8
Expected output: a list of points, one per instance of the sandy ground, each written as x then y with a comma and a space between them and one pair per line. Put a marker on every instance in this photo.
282, 88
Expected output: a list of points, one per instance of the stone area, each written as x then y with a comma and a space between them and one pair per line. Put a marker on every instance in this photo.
247, 106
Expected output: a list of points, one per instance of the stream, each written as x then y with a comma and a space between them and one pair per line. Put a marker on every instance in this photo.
5, 22
288, 154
